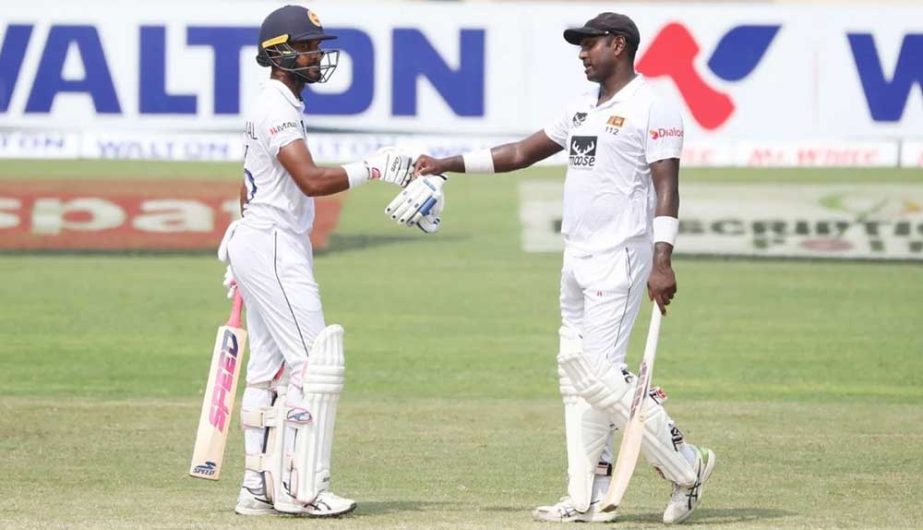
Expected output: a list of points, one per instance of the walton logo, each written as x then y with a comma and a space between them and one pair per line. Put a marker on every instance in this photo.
673, 52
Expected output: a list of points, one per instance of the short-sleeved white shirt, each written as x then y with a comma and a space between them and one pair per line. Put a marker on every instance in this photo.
273, 197
608, 192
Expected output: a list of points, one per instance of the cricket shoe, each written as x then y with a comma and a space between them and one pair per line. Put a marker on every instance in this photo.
251, 502
328, 504
685, 500
565, 512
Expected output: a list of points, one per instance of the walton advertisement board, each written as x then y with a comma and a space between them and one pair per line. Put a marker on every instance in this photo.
743, 74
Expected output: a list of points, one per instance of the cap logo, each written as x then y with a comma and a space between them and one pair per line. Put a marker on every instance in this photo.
281, 39
314, 18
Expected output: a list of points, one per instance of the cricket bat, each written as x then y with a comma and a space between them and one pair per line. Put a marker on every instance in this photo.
218, 404
634, 428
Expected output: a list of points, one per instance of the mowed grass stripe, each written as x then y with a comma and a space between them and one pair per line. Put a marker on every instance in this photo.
451, 463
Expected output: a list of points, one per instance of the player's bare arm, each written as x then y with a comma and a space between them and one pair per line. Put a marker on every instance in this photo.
312, 180
503, 158
662, 282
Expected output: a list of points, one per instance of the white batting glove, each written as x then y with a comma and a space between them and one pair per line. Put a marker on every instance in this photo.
390, 165
230, 283
419, 204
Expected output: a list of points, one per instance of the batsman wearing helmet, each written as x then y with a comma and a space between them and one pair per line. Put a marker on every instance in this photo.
297, 364
621, 202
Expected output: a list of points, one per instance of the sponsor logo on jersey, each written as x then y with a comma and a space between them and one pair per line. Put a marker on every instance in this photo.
582, 151
578, 119
276, 129
657, 134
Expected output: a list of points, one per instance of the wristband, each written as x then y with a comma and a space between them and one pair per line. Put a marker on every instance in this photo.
480, 161
665, 229
357, 173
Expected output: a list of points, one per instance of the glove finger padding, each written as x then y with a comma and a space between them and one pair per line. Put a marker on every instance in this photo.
416, 201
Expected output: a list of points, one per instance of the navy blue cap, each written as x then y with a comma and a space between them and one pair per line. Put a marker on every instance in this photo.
606, 24
291, 24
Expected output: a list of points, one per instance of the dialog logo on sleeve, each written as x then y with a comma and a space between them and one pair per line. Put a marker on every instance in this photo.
582, 151
657, 134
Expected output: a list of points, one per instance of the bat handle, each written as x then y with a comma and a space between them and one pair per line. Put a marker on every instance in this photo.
236, 307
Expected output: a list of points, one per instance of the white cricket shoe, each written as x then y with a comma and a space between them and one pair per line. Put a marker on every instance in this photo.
328, 504
685, 500
564, 512
251, 502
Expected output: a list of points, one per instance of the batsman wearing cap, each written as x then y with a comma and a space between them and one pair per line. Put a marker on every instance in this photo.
621, 203
297, 363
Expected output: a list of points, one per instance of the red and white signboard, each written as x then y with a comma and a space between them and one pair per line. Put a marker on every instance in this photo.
108, 215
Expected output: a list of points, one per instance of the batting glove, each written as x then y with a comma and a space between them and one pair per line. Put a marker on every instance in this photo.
419, 204
230, 283
390, 165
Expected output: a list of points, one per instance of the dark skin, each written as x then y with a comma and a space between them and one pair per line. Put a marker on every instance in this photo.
311, 179
609, 61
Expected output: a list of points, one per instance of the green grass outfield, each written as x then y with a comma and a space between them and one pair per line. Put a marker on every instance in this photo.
805, 377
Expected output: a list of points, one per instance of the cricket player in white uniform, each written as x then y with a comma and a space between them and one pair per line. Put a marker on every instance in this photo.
621, 203
296, 369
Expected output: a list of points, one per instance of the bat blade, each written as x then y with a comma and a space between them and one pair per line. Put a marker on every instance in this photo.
633, 434
218, 403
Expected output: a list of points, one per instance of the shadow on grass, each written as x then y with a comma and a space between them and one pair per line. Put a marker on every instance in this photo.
710, 516
703, 517
346, 243
370, 508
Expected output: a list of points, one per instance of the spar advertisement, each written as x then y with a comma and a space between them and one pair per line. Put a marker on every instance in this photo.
759, 85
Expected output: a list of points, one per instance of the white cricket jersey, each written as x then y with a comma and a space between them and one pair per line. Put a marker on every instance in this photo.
273, 197
608, 192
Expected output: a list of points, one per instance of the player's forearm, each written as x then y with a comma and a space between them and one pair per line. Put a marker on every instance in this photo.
321, 181
510, 157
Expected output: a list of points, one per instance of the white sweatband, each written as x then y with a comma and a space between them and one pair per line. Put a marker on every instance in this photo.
480, 161
665, 229
357, 173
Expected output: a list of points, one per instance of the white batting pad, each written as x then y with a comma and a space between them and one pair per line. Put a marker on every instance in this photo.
312, 417
587, 432
606, 389
263, 435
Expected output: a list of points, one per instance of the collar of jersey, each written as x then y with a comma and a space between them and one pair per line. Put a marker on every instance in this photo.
280, 86
624, 94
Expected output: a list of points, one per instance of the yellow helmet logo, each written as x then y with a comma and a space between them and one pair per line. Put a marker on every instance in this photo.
314, 18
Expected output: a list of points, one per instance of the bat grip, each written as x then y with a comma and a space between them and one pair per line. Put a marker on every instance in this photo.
236, 307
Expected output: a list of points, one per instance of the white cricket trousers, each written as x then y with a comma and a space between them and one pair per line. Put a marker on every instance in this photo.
601, 295
274, 269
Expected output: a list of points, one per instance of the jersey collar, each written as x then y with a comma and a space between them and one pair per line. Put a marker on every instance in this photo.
624, 94
280, 86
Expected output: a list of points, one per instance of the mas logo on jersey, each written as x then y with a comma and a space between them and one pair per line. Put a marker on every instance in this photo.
673, 53
582, 151
276, 129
